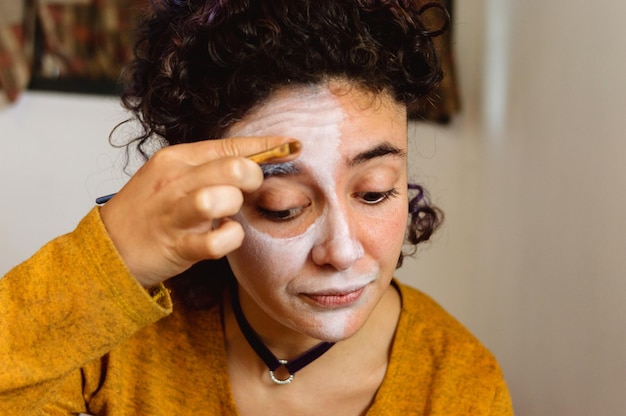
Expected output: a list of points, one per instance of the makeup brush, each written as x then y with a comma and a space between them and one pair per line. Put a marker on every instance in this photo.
273, 153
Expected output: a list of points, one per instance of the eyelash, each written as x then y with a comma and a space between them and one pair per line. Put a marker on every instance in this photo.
282, 215
288, 214
380, 197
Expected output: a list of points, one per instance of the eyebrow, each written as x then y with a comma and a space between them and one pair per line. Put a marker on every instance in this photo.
279, 169
291, 169
383, 149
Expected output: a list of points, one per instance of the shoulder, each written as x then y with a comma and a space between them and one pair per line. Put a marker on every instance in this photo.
423, 318
437, 363
426, 329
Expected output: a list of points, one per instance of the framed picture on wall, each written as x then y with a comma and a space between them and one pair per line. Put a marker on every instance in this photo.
80, 46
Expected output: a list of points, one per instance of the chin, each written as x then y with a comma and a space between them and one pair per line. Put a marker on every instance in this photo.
338, 326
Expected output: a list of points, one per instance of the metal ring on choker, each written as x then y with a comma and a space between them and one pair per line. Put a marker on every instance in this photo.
279, 381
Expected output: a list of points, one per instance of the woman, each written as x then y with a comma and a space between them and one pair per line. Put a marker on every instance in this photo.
212, 285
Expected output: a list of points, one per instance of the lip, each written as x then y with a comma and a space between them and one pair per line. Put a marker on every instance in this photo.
335, 299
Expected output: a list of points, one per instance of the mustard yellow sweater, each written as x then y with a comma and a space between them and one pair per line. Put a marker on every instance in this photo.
78, 334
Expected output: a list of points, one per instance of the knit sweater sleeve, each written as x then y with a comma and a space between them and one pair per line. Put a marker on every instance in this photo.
70, 303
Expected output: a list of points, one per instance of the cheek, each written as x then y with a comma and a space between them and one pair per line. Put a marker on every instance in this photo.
271, 260
386, 234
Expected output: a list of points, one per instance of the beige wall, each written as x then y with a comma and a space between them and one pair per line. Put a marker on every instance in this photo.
55, 160
532, 176
533, 179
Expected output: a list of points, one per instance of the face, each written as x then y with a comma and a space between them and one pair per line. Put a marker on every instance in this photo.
324, 232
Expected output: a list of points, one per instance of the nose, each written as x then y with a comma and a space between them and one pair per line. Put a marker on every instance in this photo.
336, 245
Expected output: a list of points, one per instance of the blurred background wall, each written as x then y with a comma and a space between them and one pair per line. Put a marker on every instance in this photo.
531, 175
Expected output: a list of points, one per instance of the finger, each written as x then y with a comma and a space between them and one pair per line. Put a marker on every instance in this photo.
214, 244
238, 172
198, 153
198, 209
229, 171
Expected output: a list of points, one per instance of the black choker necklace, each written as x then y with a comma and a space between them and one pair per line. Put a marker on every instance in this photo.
265, 354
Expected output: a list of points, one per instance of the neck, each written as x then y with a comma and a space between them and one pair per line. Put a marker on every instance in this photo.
273, 363
286, 344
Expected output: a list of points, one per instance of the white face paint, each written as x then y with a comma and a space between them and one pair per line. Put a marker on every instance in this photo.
316, 268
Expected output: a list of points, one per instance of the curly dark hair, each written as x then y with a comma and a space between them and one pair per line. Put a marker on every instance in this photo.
200, 65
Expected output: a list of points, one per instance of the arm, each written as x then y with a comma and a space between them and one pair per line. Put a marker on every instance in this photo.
83, 293
72, 302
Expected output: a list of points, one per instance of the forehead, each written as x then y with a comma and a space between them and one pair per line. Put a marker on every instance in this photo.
334, 122
317, 106
292, 111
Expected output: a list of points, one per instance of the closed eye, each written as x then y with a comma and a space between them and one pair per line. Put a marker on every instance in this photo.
281, 215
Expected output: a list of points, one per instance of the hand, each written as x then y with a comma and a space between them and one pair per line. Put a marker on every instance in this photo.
175, 210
